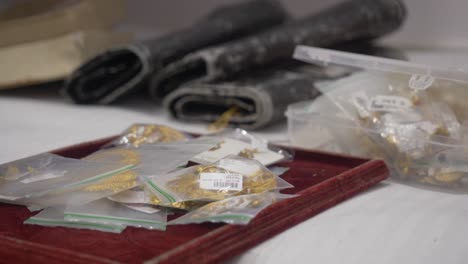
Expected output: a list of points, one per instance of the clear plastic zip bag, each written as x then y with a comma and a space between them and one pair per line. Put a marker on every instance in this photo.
374, 102
239, 210
138, 195
154, 159
105, 211
54, 217
140, 134
149, 159
391, 95
45, 173
230, 176
83, 194
244, 144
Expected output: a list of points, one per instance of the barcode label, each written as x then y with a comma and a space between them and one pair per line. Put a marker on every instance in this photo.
230, 185
221, 181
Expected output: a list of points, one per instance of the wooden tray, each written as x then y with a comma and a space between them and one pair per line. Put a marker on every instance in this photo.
321, 180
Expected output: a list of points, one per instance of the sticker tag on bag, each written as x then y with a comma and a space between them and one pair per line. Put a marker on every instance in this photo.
389, 103
230, 146
221, 181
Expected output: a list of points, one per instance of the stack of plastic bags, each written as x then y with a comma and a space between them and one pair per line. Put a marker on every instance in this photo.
143, 175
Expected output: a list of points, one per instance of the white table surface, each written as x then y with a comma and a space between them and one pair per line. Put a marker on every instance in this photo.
390, 223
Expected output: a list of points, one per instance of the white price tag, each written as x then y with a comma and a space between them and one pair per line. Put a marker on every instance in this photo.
389, 103
221, 181
234, 147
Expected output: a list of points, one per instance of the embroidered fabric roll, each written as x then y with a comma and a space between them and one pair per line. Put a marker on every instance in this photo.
119, 71
347, 21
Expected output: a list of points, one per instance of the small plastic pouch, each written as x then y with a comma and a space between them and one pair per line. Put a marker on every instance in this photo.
148, 197
230, 176
83, 194
54, 217
149, 159
105, 211
396, 110
154, 159
140, 134
244, 144
45, 173
237, 210
139, 196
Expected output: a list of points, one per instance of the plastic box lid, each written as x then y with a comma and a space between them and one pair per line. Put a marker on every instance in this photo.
423, 74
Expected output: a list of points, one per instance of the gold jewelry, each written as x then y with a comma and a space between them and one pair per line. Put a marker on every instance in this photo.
248, 153
116, 183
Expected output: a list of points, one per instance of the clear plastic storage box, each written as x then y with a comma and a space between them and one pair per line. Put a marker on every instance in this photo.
413, 116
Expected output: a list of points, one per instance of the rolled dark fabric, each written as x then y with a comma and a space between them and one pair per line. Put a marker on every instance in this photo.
351, 20
261, 96
116, 72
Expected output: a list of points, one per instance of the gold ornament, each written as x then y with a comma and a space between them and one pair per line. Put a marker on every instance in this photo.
448, 177
217, 146
144, 134
223, 121
117, 155
188, 184
187, 205
248, 153
116, 183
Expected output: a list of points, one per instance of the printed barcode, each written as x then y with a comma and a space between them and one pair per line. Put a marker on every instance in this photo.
218, 184
219, 181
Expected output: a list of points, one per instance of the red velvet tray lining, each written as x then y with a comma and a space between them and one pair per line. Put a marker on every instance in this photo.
321, 179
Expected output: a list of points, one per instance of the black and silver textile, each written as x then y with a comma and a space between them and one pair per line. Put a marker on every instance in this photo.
345, 22
117, 72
